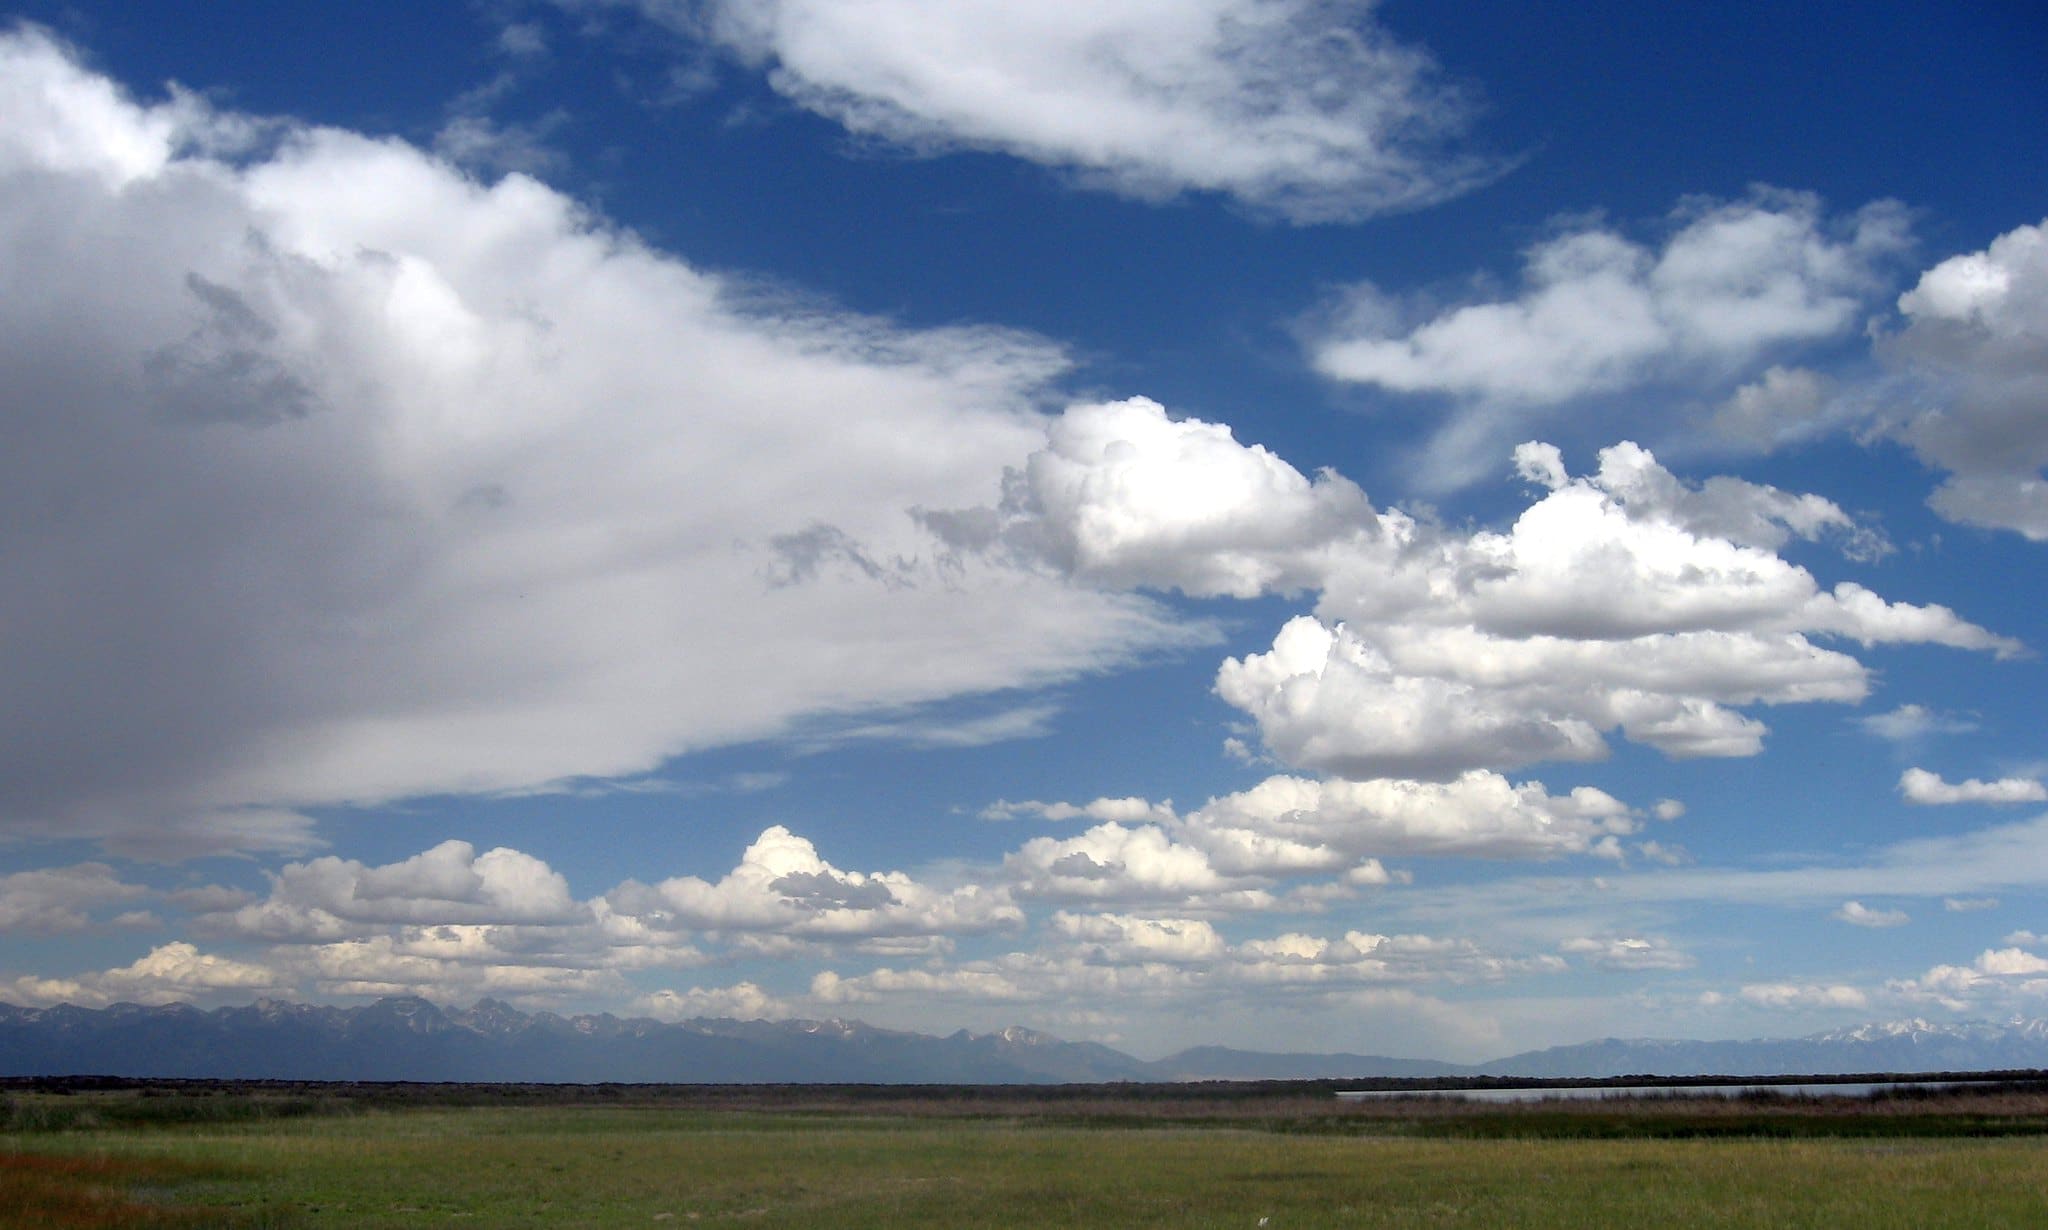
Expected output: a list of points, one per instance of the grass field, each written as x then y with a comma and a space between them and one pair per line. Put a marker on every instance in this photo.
123, 1159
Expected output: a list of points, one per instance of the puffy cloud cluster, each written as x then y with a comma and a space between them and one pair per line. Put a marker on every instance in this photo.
1626, 600
1975, 343
1923, 787
1623, 600
1329, 836
1304, 109
1132, 863
782, 886
1478, 814
380, 481
1123, 496
1999, 979
169, 973
448, 923
452, 923
1619, 601
1230, 853
333, 898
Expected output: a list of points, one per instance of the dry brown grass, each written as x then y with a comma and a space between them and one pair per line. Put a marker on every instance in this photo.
83, 1193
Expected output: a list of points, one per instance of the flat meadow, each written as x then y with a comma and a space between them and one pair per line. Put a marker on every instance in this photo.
200, 1154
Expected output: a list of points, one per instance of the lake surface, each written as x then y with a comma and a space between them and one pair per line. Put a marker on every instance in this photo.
1585, 1093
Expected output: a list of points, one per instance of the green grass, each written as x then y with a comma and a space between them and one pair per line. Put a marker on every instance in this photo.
653, 1166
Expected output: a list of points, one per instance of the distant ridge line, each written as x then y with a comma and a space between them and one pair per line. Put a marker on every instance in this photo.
407, 1038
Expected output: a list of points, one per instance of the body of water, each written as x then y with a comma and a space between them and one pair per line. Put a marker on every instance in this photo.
1582, 1093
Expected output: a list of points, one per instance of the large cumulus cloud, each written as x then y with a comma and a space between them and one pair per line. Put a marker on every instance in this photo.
337, 476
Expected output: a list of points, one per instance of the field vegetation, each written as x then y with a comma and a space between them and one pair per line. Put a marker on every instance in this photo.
1278, 1155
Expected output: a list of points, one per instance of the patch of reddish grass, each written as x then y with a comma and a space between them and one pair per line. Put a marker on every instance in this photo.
80, 1192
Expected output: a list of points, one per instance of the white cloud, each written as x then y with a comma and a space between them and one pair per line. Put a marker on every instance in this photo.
1361, 958
332, 898
1803, 995
1032, 721
1625, 600
1123, 810
999, 981
444, 964
1478, 814
479, 143
409, 484
1182, 965
1858, 914
451, 922
65, 119
1130, 863
1964, 905
1224, 854
1598, 312
1923, 787
2000, 979
782, 886
741, 1001
1302, 109
1123, 496
1908, 723
60, 899
1975, 346
1663, 853
1621, 601
167, 974
1781, 407
1119, 939
1602, 312
1628, 953
1748, 514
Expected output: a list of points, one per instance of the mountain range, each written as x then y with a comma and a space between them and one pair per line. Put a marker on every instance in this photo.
411, 1039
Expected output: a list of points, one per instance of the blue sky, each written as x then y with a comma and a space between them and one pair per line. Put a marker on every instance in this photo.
1308, 525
